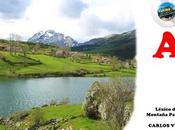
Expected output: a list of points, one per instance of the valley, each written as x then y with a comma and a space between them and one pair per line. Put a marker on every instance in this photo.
24, 59
48, 86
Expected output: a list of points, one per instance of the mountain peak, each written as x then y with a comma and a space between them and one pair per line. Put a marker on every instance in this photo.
52, 37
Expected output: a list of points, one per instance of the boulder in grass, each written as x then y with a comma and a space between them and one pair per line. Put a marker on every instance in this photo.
111, 100
92, 102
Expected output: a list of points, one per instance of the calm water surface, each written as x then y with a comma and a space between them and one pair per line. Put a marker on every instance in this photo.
23, 94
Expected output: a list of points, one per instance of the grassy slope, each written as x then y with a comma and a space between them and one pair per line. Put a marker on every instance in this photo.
55, 65
64, 111
3, 68
2, 127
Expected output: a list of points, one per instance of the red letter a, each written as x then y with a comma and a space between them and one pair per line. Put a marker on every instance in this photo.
167, 38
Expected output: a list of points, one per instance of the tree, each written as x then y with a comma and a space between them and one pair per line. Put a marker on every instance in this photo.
14, 39
115, 63
10, 47
54, 51
36, 48
24, 49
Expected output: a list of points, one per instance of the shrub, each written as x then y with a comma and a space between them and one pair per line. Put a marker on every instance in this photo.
37, 116
65, 101
110, 101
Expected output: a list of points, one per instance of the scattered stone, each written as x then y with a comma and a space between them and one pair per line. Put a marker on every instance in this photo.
34, 127
51, 121
73, 117
24, 115
46, 105
1, 120
18, 124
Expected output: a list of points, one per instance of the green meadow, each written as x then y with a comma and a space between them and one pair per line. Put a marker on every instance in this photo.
71, 116
41, 65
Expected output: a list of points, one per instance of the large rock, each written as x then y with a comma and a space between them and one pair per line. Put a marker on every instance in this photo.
110, 101
92, 102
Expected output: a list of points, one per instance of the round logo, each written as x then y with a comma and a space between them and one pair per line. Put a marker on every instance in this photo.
163, 12
166, 11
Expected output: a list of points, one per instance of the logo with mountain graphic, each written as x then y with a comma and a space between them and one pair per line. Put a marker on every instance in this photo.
166, 11
163, 12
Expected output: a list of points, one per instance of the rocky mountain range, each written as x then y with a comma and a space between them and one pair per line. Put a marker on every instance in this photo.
52, 37
121, 45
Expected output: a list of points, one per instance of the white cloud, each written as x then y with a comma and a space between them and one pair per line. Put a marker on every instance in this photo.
95, 18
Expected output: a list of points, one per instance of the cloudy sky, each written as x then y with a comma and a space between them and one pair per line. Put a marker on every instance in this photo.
80, 19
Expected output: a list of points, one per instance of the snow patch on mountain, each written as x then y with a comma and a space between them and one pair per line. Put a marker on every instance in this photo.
53, 38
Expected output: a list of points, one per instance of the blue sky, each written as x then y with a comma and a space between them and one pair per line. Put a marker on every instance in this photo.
166, 5
81, 19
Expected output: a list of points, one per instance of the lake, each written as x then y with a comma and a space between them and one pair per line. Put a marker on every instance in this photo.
23, 94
